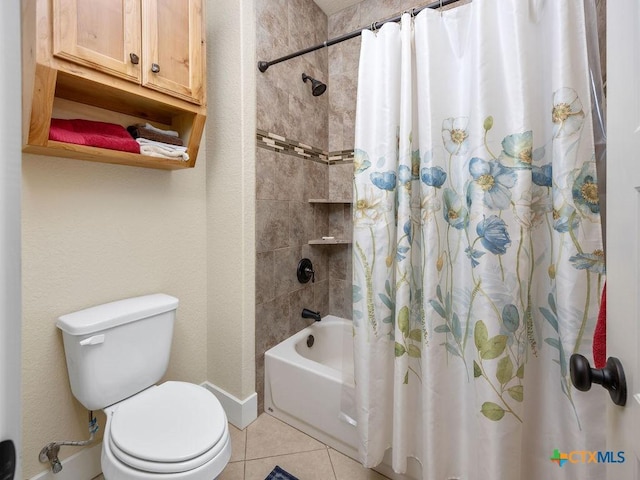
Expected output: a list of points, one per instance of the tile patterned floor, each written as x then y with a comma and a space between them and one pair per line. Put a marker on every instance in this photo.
268, 442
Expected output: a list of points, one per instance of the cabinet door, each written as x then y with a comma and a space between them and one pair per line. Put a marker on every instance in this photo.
104, 35
173, 48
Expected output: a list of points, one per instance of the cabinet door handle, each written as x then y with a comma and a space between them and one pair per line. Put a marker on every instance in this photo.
135, 59
155, 68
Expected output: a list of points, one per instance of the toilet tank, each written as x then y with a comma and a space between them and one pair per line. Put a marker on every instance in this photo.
117, 349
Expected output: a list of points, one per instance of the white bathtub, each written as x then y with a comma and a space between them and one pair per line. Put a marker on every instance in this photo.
311, 388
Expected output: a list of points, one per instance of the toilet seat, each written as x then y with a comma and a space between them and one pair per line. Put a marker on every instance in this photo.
171, 428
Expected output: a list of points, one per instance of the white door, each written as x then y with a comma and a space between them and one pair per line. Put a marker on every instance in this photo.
623, 214
10, 282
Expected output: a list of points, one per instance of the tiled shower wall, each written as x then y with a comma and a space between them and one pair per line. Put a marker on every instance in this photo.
285, 220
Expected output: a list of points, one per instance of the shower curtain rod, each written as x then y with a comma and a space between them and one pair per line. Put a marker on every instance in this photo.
262, 65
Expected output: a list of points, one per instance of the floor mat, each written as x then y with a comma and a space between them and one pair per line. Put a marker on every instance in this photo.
280, 474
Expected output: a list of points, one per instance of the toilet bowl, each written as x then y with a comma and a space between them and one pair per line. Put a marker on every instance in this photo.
175, 430
115, 354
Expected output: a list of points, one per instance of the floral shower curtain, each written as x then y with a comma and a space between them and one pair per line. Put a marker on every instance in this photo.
477, 256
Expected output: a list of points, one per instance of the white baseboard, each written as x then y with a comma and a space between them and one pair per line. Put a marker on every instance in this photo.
240, 413
85, 464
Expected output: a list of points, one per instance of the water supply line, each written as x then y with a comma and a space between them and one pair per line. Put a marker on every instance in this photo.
50, 451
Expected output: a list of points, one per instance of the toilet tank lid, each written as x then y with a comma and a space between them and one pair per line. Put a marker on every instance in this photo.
108, 315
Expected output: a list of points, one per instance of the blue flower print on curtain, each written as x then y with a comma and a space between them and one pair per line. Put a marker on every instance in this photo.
506, 203
585, 191
384, 180
494, 235
433, 176
494, 180
454, 210
517, 150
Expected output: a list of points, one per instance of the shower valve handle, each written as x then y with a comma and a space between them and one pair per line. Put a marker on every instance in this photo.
310, 271
305, 271
610, 377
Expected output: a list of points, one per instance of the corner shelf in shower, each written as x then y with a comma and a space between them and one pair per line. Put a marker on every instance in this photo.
330, 241
333, 241
330, 202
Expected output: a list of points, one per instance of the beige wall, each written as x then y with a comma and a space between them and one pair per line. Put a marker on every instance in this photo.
94, 232
230, 195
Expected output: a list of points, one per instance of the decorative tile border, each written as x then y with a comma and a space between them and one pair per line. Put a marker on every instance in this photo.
341, 156
278, 143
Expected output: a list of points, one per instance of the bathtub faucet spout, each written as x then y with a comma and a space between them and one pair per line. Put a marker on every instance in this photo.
306, 313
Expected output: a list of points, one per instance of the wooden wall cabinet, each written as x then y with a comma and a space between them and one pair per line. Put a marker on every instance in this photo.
124, 61
157, 43
104, 35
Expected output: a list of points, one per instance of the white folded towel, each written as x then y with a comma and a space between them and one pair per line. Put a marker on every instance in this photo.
146, 141
163, 150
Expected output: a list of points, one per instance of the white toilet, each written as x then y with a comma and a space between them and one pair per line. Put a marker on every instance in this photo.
115, 353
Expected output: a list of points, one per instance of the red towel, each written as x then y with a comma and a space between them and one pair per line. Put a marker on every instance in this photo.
93, 134
600, 333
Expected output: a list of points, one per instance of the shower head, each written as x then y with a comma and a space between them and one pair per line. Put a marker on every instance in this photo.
317, 87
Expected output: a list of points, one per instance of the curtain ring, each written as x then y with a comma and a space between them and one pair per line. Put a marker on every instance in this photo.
373, 27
